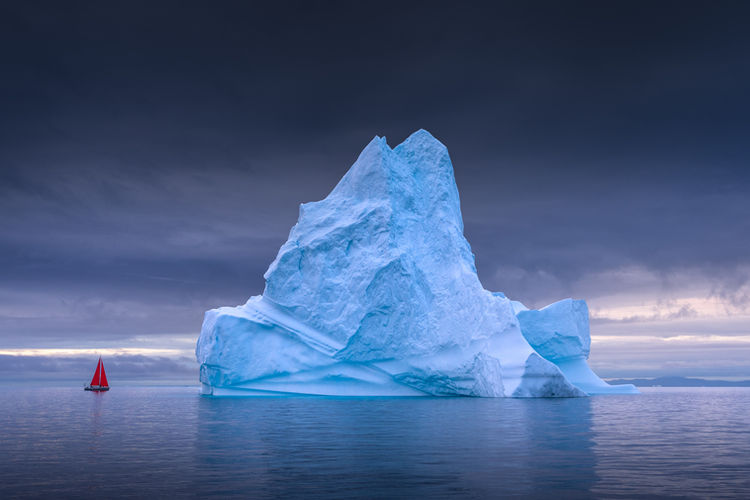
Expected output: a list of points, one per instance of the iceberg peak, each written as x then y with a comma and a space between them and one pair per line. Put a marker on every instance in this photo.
422, 139
376, 292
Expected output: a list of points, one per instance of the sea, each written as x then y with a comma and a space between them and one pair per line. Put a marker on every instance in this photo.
170, 442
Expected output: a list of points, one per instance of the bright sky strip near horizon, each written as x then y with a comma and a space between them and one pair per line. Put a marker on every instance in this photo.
153, 157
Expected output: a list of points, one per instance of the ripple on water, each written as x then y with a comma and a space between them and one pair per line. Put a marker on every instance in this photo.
161, 441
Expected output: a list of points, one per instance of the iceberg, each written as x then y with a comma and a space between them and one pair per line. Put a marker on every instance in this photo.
560, 333
375, 293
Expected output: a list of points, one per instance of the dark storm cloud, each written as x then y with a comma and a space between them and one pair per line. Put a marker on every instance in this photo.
152, 157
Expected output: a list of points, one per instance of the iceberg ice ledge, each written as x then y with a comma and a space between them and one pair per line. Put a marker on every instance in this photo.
375, 293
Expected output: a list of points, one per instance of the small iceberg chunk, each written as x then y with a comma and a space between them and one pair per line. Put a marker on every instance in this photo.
560, 333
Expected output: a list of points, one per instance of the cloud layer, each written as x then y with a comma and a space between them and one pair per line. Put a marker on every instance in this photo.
152, 159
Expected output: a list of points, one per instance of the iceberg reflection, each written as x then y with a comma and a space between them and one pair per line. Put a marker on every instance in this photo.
394, 447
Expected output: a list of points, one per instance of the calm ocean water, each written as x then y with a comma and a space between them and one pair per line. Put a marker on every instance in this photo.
169, 442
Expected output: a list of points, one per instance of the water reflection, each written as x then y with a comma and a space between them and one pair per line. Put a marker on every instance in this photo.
674, 442
168, 442
396, 447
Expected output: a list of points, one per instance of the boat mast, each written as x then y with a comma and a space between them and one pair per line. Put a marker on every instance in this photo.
97, 373
102, 375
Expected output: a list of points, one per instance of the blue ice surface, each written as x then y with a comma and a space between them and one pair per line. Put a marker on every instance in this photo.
560, 333
375, 293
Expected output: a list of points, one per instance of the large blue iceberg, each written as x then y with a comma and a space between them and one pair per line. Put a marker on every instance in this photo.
375, 293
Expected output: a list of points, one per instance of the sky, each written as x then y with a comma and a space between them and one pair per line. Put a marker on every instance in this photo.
153, 156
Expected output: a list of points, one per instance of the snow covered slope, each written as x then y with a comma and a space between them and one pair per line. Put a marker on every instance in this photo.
375, 293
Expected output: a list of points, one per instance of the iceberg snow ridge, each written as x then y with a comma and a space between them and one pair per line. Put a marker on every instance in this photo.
375, 293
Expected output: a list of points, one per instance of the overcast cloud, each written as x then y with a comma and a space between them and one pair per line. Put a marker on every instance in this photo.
153, 158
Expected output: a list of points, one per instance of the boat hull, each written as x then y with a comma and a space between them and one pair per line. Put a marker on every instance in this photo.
95, 388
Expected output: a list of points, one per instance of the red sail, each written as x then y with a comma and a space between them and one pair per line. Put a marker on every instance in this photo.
103, 381
97, 373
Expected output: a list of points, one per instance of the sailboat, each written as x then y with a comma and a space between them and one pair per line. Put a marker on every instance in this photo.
99, 382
